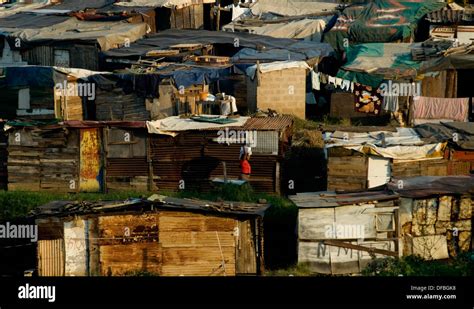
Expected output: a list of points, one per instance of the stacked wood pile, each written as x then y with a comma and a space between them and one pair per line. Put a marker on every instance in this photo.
43, 159
116, 105
438, 227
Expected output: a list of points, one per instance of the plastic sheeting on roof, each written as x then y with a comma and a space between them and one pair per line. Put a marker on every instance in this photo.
276, 66
431, 133
252, 55
31, 76
379, 21
107, 34
31, 21
418, 187
371, 63
81, 5
21, 7
403, 152
405, 144
293, 7
403, 136
306, 29
174, 4
174, 124
167, 38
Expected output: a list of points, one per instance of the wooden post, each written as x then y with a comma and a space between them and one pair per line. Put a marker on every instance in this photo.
224, 166
218, 23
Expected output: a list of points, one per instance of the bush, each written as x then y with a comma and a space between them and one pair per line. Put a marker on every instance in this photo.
462, 265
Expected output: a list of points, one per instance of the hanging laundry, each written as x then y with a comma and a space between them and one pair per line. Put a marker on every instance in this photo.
331, 80
324, 78
390, 103
338, 82
367, 99
316, 83
435, 110
346, 85
352, 86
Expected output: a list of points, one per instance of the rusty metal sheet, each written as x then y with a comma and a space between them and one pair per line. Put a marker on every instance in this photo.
90, 162
51, 257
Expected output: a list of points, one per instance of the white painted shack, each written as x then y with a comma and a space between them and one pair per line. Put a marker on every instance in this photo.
340, 233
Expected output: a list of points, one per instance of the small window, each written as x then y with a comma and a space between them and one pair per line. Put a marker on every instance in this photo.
62, 58
385, 222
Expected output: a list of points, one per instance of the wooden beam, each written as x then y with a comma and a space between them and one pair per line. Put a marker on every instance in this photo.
343, 244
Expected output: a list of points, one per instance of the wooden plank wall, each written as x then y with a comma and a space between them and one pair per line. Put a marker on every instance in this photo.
191, 17
129, 243
197, 245
43, 160
246, 257
168, 243
347, 173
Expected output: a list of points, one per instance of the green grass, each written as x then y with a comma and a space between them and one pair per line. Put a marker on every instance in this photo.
462, 265
301, 124
16, 204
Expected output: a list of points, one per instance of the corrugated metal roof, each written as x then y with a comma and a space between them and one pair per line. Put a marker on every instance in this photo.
332, 199
277, 123
68, 208
424, 186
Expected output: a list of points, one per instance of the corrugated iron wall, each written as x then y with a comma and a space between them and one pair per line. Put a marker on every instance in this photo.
194, 158
127, 166
51, 258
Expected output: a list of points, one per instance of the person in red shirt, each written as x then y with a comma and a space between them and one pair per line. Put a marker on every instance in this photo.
245, 168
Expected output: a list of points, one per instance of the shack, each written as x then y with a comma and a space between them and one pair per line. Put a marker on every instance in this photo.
55, 40
53, 157
175, 14
39, 92
284, 19
361, 160
163, 236
435, 215
341, 233
69, 156
127, 159
188, 154
155, 92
